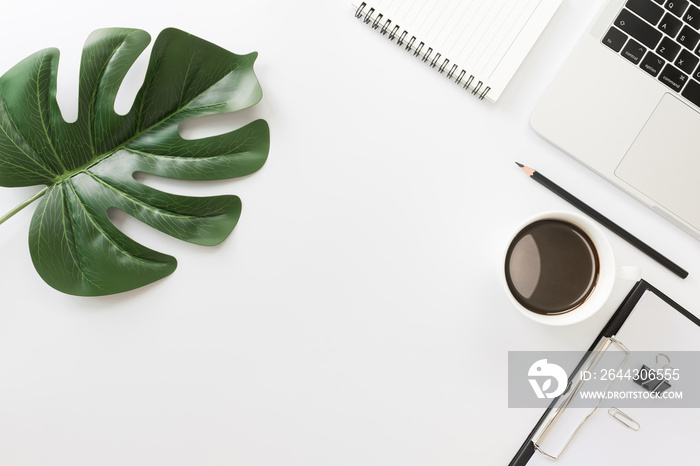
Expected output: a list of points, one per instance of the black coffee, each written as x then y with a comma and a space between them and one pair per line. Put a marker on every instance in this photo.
551, 267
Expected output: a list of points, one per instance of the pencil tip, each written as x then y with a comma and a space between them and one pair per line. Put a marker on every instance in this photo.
527, 170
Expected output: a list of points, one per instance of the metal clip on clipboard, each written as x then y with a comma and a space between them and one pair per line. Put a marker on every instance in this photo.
564, 401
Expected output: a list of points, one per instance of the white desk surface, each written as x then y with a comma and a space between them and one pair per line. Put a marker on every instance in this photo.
355, 316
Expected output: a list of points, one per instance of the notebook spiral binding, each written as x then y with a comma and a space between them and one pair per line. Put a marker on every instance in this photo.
427, 56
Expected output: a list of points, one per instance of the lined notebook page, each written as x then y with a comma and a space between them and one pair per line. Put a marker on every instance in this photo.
486, 38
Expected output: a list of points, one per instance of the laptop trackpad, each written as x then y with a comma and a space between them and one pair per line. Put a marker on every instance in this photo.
664, 161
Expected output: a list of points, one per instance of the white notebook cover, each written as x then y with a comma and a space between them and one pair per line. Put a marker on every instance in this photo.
478, 43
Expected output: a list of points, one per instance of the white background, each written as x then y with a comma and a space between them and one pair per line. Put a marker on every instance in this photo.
355, 316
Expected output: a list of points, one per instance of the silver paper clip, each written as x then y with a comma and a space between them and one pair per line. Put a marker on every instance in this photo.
624, 419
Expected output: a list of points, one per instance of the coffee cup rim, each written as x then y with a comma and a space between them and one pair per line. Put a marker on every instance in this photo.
606, 275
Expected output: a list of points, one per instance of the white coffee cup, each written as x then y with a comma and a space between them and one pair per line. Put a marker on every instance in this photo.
608, 272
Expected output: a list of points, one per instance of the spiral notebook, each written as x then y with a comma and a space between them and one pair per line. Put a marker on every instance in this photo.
478, 44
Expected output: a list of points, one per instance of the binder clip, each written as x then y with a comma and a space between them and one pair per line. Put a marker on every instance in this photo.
648, 379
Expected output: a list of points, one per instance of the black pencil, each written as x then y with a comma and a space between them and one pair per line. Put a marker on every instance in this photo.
606, 222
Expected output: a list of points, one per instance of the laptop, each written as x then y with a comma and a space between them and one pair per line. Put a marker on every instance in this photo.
627, 104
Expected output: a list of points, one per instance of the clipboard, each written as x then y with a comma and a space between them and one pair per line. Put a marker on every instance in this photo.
644, 307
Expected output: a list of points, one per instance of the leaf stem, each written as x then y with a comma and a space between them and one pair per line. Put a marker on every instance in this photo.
23, 205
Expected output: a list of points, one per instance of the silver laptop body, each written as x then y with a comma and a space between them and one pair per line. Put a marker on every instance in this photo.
628, 108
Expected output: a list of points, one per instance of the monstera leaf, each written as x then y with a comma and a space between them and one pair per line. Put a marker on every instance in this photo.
88, 166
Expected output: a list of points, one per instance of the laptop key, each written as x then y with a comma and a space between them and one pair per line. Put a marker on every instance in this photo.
686, 61
673, 77
692, 17
638, 28
634, 51
615, 39
668, 49
677, 7
646, 9
652, 64
692, 92
688, 37
670, 25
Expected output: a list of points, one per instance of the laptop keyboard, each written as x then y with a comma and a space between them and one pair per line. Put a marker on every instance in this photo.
662, 37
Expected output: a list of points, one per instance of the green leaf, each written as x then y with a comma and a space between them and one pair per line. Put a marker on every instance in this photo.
88, 165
